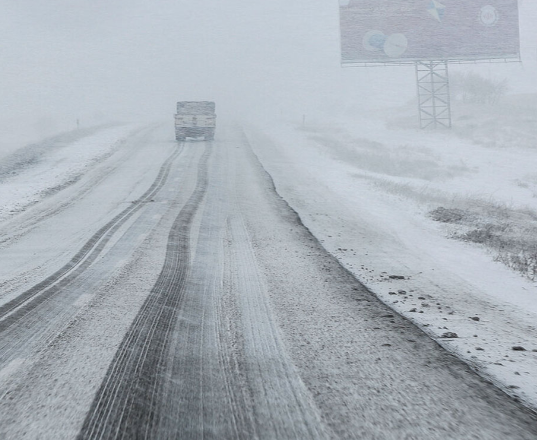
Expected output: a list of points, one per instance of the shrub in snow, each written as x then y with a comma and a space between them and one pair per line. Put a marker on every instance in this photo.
446, 215
510, 234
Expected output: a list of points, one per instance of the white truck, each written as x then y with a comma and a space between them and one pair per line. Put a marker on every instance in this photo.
195, 119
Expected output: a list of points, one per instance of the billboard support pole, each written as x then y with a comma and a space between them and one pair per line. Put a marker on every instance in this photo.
434, 104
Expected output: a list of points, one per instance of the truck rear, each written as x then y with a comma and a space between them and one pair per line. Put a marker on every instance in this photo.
195, 119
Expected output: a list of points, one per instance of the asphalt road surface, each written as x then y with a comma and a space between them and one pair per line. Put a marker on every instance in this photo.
171, 293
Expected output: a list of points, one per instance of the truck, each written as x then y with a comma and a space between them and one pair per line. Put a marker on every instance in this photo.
195, 119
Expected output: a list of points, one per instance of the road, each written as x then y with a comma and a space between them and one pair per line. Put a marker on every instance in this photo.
172, 293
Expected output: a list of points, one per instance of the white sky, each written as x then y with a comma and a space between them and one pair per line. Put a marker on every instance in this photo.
63, 59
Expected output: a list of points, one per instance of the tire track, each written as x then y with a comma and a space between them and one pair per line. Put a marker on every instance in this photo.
199, 400
14, 310
229, 376
127, 403
280, 403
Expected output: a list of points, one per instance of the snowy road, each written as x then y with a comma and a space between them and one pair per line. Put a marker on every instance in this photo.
168, 291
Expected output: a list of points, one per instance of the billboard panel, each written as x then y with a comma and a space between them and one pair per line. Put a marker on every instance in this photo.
388, 31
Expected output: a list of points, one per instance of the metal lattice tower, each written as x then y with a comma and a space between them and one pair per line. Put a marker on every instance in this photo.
433, 94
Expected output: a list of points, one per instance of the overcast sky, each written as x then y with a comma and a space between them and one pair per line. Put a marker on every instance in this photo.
95, 59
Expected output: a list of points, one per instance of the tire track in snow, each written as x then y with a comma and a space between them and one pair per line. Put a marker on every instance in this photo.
279, 398
204, 358
127, 403
12, 311
266, 397
229, 375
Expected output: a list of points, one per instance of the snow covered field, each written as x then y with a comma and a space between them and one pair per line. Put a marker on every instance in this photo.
366, 189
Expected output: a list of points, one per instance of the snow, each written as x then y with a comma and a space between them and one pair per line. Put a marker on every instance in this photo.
65, 164
329, 173
364, 187
362, 179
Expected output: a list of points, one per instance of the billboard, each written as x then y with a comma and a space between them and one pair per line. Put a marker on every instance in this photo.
394, 31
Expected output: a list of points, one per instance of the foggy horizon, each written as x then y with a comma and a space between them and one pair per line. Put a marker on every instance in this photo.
99, 62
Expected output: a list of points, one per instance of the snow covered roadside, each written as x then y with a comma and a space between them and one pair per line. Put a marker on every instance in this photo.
387, 240
62, 165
